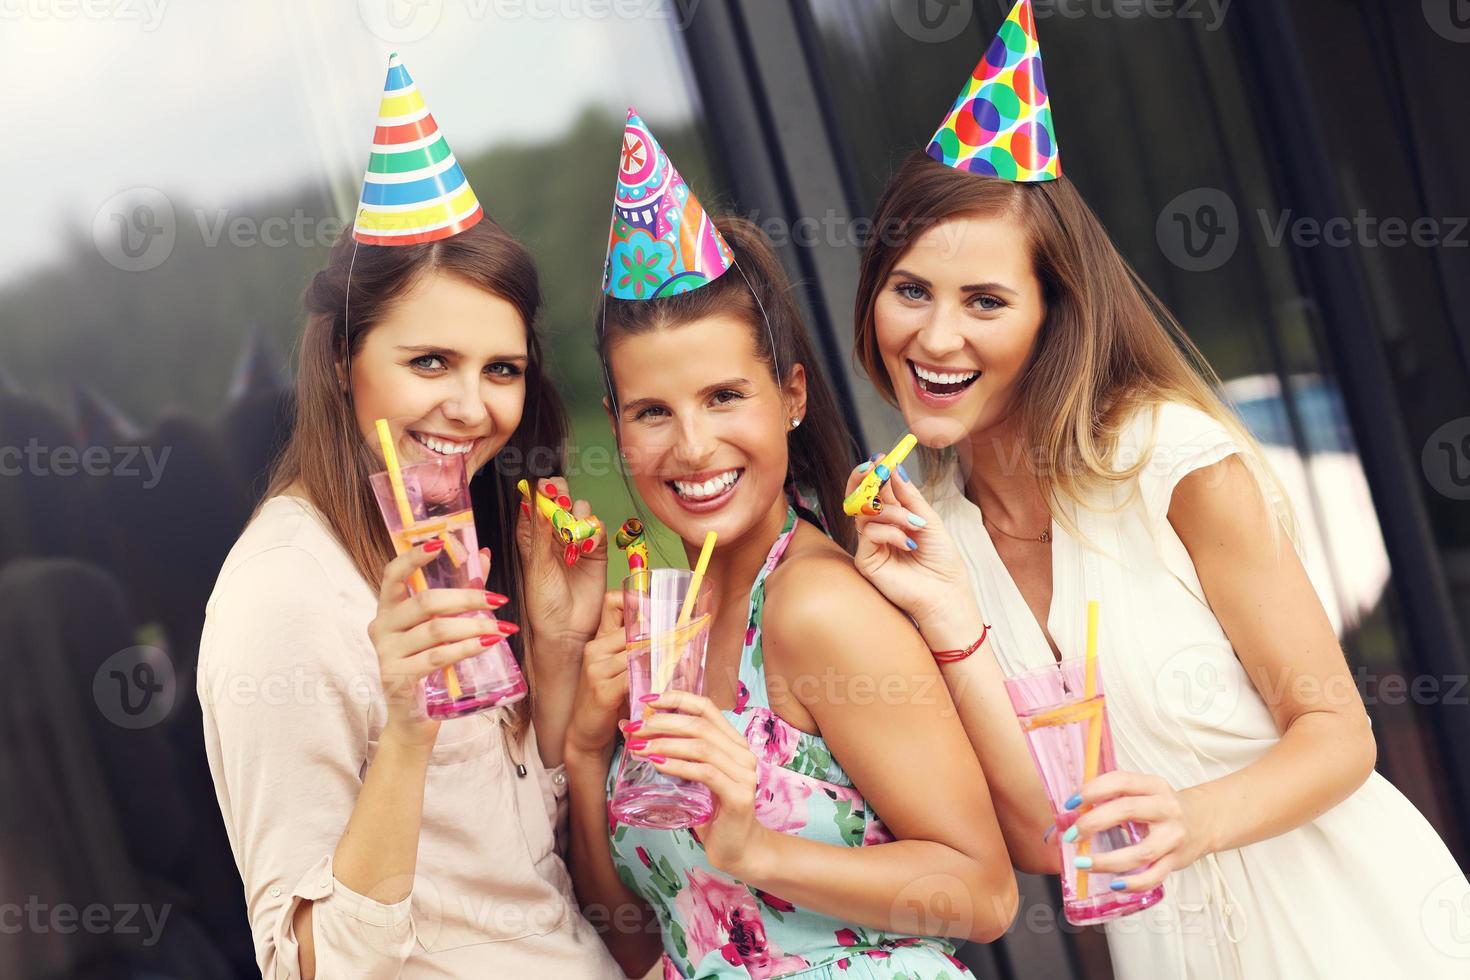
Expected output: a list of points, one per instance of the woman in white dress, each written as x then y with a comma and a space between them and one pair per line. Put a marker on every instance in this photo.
1076, 451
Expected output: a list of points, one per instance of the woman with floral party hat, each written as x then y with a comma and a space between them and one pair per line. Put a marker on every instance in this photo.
1078, 451
852, 833
374, 840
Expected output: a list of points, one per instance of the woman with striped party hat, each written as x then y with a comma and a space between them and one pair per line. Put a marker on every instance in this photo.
720, 407
373, 840
1078, 451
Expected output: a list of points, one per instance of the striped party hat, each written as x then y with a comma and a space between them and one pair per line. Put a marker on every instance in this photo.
414, 190
662, 242
1001, 124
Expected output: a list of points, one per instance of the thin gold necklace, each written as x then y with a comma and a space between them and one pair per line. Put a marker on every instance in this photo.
1044, 537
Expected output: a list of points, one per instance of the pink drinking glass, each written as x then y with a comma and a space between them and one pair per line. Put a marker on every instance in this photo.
1051, 705
662, 656
439, 502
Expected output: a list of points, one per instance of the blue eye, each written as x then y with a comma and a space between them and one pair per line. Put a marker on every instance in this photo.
503, 369
989, 303
420, 362
911, 291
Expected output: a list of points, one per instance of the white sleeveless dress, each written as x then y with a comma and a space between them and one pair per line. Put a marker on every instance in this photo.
1366, 890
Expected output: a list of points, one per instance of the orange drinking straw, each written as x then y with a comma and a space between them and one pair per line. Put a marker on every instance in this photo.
1094, 726
405, 517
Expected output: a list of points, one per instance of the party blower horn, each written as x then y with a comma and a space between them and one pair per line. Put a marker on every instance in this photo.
634, 542
574, 532
864, 500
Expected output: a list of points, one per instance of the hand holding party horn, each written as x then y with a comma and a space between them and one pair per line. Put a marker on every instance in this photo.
572, 530
864, 500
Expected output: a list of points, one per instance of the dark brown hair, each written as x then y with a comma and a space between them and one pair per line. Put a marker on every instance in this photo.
326, 454
821, 450
1107, 347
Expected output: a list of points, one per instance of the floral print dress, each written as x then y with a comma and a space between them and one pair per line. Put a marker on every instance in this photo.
715, 926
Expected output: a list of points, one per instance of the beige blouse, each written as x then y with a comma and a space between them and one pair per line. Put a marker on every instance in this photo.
289, 687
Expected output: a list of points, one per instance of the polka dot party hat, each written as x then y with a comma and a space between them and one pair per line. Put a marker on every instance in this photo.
662, 242
1001, 124
414, 190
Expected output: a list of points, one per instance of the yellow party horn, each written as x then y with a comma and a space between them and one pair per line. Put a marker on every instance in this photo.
572, 530
864, 500
634, 542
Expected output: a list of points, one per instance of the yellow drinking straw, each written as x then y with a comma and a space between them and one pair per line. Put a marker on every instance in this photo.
699, 569
1094, 726
405, 517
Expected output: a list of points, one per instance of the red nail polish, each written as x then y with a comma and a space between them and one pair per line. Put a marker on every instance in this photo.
637, 744
549, 490
647, 698
432, 546
571, 555
525, 508
656, 758
632, 726
509, 629
588, 545
493, 599
564, 501
489, 640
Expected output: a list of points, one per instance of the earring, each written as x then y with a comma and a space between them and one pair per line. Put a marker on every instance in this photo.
795, 421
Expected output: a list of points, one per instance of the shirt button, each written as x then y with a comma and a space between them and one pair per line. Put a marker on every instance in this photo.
559, 779
275, 891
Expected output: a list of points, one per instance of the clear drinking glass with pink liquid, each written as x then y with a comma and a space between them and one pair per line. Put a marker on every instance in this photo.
439, 502
1054, 713
662, 656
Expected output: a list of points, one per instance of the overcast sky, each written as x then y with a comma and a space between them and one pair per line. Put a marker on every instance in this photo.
216, 102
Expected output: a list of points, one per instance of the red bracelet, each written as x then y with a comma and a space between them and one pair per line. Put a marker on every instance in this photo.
954, 656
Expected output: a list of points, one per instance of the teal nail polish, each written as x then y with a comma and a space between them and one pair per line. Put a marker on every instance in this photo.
1082, 861
1118, 884
1070, 835
917, 521
910, 544
1073, 801
865, 467
903, 474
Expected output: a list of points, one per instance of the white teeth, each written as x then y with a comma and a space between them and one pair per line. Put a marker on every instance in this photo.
709, 488
935, 377
443, 446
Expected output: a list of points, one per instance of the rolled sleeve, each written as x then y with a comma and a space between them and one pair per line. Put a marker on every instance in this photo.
353, 935
286, 689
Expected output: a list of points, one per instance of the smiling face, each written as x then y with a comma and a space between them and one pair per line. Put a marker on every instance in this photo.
956, 323
445, 365
703, 425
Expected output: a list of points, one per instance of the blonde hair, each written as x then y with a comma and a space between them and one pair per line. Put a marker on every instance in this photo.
1107, 349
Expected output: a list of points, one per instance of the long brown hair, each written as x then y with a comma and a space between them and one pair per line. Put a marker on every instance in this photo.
326, 454
821, 450
1107, 347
